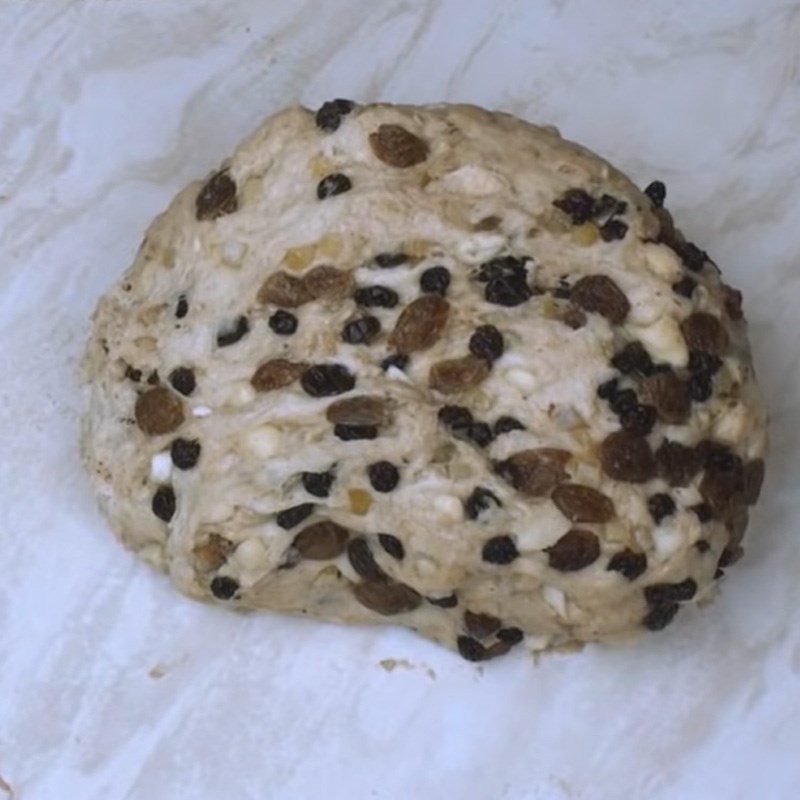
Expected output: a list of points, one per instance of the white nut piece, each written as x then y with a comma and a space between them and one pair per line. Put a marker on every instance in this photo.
161, 466
664, 341
264, 441
663, 262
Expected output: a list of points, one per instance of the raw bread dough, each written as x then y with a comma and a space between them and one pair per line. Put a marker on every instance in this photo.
432, 366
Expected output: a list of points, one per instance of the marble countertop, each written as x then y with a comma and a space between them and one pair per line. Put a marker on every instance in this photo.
113, 687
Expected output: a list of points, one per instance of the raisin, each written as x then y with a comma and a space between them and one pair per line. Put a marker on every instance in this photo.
350, 433
376, 297
507, 424
232, 334
660, 617
659, 594
326, 380
383, 476
691, 255
729, 556
481, 625
600, 294
627, 457
217, 197
638, 420
722, 488
361, 331
450, 601
660, 506
608, 205
290, 517
577, 204
284, 323
608, 390
676, 463
282, 289
182, 308
184, 453
321, 540
633, 359
507, 291
502, 267
392, 545
212, 553
486, 342
395, 146
387, 598
613, 230
703, 512
477, 432
702, 545
580, 503
574, 551
163, 504
158, 411
276, 373
153, 379
223, 587
435, 280
388, 260
182, 380
330, 113
733, 302
700, 362
333, 184
457, 374
500, 550
629, 563
318, 483
360, 410
753, 480
397, 360
455, 416
420, 324
685, 286
623, 400
657, 193
669, 395
510, 636
480, 499
471, 649
326, 282
704, 332
132, 374
535, 473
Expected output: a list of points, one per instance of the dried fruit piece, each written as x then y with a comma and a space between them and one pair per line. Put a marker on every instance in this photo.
182, 380
613, 230
284, 323
376, 297
633, 359
132, 374
480, 499
387, 598
450, 601
230, 334
327, 283
638, 419
276, 373
360, 501
627, 457
163, 503
318, 483
361, 410
575, 550
392, 545
394, 145
363, 330
349, 433
224, 587
330, 113
363, 562
691, 255
333, 184
703, 512
471, 649
704, 332
282, 289
660, 617
397, 360
660, 506
685, 286
536, 472
481, 625
158, 411
577, 204
599, 294
657, 193
478, 432
457, 374
506, 281
677, 463
659, 594
628, 563
420, 324
486, 342
580, 503
669, 395
325, 380
185, 452
217, 197
383, 476
182, 307
500, 550
733, 302
321, 540
290, 517
753, 480
435, 280
507, 424
212, 553
387, 260
723, 485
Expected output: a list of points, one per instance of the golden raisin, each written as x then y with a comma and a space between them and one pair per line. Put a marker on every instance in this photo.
321, 540
283, 290
575, 550
396, 146
535, 473
669, 395
598, 293
420, 325
360, 501
362, 410
212, 553
387, 598
328, 282
158, 411
704, 332
457, 374
276, 373
580, 503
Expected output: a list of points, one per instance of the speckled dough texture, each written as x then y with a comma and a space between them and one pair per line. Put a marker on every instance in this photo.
429, 366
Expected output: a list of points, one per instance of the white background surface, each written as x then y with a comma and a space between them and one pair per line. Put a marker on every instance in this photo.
106, 110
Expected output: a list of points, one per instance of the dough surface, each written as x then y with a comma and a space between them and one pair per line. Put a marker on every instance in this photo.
429, 366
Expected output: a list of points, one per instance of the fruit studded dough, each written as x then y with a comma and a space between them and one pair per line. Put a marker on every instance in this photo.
430, 366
